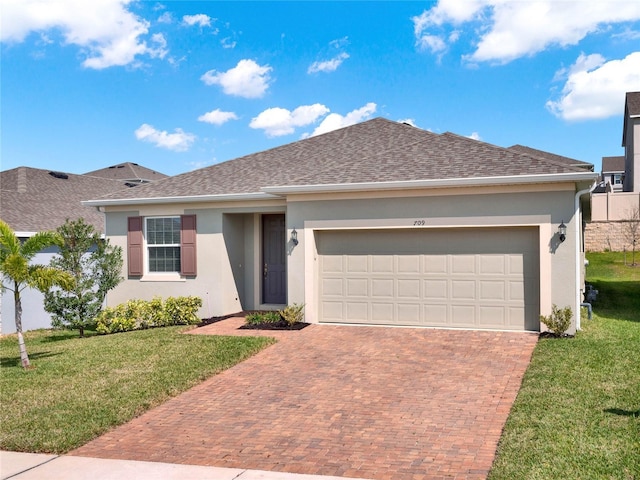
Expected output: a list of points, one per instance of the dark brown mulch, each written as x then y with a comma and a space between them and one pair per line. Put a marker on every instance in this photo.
209, 321
275, 326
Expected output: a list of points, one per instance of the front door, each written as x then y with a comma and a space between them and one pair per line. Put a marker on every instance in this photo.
274, 268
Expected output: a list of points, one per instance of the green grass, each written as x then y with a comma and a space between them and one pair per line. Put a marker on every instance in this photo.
577, 414
82, 387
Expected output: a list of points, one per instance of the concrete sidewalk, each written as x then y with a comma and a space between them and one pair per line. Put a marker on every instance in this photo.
34, 466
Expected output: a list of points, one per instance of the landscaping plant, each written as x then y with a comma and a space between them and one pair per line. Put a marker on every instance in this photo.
95, 266
293, 314
559, 321
141, 314
18, 273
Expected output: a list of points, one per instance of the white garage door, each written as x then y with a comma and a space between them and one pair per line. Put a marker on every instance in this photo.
467, 278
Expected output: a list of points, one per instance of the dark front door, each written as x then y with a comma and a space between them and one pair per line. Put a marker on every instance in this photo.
274, 269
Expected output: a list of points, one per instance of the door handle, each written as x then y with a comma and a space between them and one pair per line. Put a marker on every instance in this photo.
265, 270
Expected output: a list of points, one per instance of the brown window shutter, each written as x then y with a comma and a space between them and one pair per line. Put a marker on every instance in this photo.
134, 246
188, 261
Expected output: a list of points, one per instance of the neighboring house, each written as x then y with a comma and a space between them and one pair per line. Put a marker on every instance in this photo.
612, 175
376, 223
34, 200
631, 142
618, 194
128, 172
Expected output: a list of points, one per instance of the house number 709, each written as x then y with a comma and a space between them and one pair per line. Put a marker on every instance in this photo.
419, 223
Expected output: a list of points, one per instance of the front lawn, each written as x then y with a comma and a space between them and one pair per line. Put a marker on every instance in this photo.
577, 414
81, 387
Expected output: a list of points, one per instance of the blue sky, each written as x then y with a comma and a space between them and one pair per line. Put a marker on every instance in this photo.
176, 86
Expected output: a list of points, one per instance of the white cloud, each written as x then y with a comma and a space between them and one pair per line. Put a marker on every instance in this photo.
166, 17
335, 121
179, 141
280, 121
512, 29
226, 42
596, 88
217, 117
474, 136
328, 65
247, 79
200, 19
108, 33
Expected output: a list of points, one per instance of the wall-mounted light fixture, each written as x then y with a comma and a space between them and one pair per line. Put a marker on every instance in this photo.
294, 237
562, 232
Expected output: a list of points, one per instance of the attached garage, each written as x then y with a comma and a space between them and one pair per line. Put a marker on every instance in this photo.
480, 278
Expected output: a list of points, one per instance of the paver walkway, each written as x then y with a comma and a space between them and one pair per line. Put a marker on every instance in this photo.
362, 402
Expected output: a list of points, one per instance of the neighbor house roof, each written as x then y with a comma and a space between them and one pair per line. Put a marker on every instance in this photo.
613, 164
128, 171
370, 152
551, 156
631, 110
33, 200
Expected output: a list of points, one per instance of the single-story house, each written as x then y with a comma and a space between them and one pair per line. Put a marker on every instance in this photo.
376, 223
33, 200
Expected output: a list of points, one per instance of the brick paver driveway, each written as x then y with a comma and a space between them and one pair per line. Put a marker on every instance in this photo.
363, 402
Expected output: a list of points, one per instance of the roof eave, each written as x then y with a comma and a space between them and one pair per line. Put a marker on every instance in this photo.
233, 197
435, 183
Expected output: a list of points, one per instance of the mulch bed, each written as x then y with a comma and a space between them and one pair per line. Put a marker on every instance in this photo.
261, 326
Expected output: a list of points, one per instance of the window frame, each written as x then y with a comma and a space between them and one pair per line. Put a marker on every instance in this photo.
147, 246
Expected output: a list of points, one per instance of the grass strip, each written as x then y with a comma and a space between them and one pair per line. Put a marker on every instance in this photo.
82, 387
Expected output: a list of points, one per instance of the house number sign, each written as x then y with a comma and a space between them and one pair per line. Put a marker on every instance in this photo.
419, 223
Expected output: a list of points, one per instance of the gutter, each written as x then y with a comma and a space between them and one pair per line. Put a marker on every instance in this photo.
232, 197
578, 228
434, 183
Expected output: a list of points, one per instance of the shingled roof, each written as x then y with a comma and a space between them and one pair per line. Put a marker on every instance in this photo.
613, 164
377, 150
128, 171
551, 156
633, 104
34, 200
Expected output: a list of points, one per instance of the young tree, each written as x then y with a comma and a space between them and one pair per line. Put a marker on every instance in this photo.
95, 266
631, 230
17, 274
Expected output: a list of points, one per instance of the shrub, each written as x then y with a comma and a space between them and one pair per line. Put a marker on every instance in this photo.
260, 318
141, 314
559, 320
293, 314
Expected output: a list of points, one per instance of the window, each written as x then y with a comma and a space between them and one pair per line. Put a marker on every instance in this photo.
167, 245
163, 244
617, 179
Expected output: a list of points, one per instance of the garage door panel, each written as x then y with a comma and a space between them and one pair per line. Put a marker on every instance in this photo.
463, 264
382, 287
357, 287
357, 264
436, 289
467, 278
409, 264
491, 290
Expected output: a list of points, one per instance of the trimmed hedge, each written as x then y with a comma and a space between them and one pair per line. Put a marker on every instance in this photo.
141, 314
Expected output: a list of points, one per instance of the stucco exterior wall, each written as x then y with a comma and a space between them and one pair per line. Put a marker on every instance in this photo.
544, 210
227, 257
228, 239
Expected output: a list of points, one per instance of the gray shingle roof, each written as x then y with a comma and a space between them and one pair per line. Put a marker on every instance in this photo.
551, 156
128, 171
613, 164
32, 199
377, 150
633, 103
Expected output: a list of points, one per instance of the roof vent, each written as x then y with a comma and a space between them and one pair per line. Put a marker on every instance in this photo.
61, 175
129, 184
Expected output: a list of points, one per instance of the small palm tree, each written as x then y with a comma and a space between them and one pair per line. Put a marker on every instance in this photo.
17, 274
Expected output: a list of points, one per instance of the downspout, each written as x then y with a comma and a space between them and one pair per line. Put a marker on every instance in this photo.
578, 222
